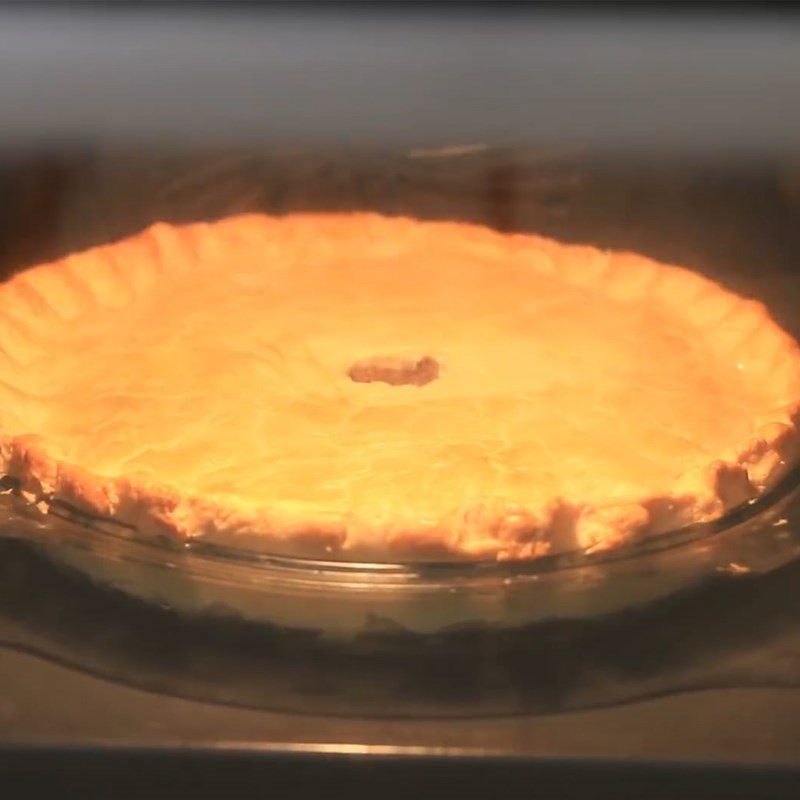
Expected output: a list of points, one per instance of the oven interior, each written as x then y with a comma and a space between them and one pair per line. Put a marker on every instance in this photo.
730, 213
733, 219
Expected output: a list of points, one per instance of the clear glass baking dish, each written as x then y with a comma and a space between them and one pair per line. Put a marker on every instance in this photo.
709, 605
342, 600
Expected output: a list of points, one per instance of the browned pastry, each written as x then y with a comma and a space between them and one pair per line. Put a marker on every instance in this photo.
357, 386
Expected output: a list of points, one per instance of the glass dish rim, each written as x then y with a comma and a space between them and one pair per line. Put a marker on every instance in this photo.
215, 554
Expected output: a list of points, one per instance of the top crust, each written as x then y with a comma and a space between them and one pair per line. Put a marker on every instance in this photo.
242, 382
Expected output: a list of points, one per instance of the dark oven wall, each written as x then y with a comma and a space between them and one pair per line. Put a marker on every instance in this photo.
736, 220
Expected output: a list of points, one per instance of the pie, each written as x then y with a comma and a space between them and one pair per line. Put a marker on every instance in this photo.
354, 386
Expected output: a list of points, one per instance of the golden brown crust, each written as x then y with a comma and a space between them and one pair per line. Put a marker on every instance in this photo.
720, 329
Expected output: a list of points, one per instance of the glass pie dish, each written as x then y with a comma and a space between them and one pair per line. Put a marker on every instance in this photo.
703, 606
342, 599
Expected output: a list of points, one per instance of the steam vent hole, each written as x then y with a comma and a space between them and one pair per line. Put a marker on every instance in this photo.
395, 371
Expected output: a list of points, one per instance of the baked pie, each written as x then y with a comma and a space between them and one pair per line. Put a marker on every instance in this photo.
360, 387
